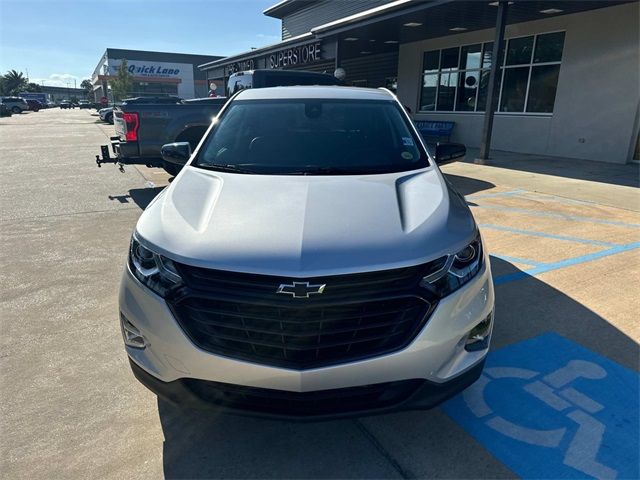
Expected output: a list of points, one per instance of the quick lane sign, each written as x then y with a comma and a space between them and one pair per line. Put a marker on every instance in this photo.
152, 70
140, 68
549, 408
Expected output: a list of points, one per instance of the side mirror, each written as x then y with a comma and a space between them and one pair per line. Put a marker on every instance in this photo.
177, 153
449, 152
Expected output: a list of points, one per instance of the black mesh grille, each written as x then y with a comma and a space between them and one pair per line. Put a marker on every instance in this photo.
323, 402
357, 316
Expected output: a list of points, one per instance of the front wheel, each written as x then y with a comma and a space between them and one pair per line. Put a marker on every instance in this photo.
109, 118
16, 110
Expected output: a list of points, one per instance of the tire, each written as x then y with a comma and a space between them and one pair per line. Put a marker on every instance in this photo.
109, 118
16, 110
172, 169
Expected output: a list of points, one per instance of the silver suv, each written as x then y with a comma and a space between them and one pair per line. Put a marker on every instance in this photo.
15, 104
309, 261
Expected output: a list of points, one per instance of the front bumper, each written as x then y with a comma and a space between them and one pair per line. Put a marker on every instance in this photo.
436, 357
415, 394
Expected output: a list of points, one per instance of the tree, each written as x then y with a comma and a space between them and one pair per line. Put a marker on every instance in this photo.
122, 82
32, 87
88, 87
13, 82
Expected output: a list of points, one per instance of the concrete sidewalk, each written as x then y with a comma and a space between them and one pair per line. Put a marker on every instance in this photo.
605, 183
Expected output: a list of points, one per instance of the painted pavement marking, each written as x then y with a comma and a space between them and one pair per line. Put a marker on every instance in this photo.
549, 408
548, 267
553, 236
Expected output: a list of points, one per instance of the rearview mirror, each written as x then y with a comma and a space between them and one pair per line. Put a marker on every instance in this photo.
449, 152
177, 152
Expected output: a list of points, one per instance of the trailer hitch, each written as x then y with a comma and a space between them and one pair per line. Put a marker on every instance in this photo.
106, 158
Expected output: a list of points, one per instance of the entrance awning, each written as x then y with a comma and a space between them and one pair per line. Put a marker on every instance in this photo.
382, 29
410, 21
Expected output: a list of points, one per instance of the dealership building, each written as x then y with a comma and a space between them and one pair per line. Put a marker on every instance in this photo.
565, 73
154, 73
57, 94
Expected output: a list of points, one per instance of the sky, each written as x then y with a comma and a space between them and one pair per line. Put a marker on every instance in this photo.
59, 41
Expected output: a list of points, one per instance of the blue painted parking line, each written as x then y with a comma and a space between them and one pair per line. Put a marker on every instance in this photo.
549, 408
565, 263
510, 259
524, 195
574, 218
564, 200
549, 235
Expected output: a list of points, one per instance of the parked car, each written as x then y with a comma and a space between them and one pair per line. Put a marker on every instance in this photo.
309, 261
4, 110
34, 105
84, 104
39, 96
51, 104
143, 126
15, 104
106, 114
262, 78
64, 104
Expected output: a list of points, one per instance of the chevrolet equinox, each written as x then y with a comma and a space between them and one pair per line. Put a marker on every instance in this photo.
309, 261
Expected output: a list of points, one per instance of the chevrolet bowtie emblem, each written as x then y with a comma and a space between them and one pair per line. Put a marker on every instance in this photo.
301, 289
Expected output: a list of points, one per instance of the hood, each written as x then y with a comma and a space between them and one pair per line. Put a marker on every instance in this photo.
301, 226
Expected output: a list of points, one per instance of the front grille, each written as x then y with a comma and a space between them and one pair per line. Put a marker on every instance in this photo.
358, 316
323, 402
360, 285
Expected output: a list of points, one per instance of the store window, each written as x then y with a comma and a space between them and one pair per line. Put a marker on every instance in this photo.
456, 79
147, 89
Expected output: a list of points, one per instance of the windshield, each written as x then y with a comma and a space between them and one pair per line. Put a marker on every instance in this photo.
312, 137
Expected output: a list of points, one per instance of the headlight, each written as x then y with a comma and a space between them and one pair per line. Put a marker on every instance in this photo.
152, 269
451, 272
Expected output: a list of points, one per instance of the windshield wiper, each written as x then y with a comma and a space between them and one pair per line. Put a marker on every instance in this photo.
225, 168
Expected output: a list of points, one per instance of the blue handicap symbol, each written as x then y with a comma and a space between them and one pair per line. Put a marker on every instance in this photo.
549, 408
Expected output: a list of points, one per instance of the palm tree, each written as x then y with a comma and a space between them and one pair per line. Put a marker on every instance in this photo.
13, 82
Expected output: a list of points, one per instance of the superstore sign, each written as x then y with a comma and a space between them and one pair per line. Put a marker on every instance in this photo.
296, 56
300, 55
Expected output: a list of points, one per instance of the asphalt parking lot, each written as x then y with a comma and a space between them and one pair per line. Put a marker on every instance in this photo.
559, 397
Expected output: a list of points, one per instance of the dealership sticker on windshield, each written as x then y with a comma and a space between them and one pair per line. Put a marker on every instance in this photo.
407, 141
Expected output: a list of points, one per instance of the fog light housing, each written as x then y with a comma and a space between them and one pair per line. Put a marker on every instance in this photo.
131, 335
479, 336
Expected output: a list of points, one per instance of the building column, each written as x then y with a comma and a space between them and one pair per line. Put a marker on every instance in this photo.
492, 88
